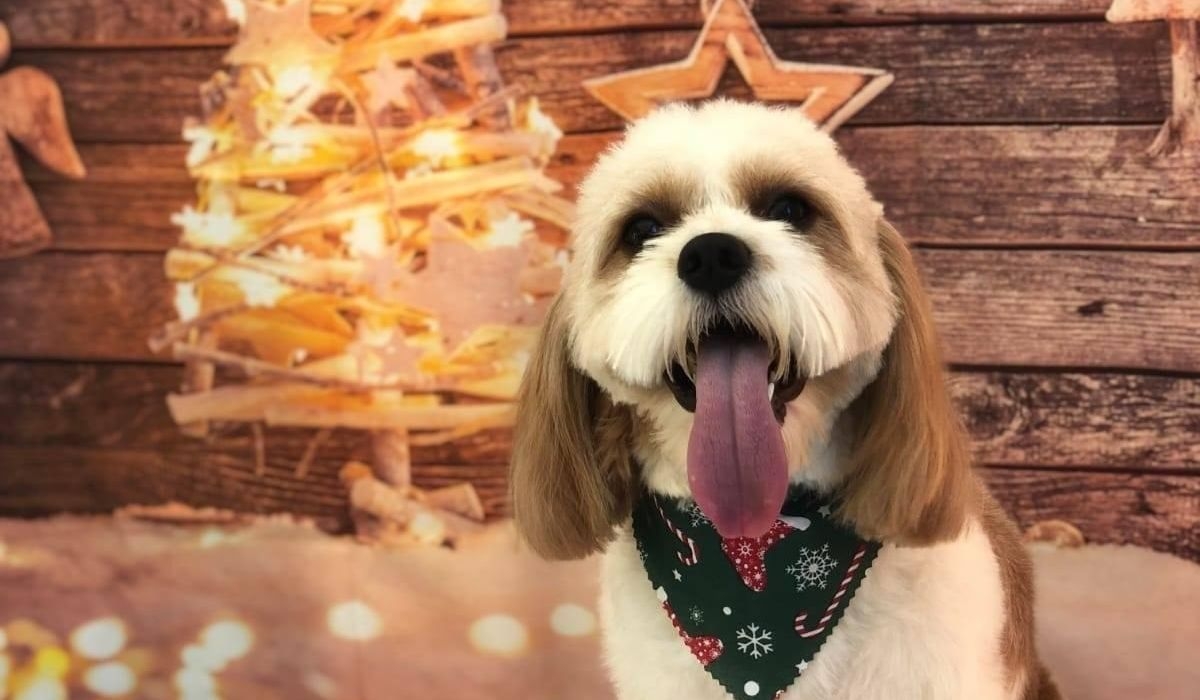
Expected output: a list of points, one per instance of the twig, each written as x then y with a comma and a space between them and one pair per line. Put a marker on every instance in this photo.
260, 449
310, 452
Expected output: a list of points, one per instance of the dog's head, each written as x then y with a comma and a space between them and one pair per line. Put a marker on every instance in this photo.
735, 298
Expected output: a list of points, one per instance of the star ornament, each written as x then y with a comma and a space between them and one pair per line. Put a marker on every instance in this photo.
279, 36
829, 95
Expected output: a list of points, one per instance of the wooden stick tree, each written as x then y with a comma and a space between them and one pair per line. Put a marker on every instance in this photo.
1183, 126
373, 237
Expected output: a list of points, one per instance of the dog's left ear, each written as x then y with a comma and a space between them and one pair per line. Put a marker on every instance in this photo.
909, 479
572, 468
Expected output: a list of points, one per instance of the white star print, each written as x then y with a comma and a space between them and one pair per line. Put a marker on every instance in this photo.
678, 576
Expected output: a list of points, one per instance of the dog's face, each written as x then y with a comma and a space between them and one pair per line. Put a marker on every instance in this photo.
733, 288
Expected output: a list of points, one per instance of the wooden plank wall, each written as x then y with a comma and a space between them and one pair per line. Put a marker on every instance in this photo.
1065, 266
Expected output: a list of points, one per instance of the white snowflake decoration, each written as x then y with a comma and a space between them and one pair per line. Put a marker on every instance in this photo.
745, 549
754, 640
696, 614
813, 567
696, 515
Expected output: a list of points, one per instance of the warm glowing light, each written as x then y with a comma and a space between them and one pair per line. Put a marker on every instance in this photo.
427, 528
435, 145
510, 230
43, 689
110, 679
540, 123
499, 635
231, 638
571, 620
203, 658
203, 142
52, 662
3, 640
366, 237
103, 638
212, 537
187, 303
293, 80
258, 288
411, 10
354, 620
289, 253
289, 144
235, 10
218, 229
193, 682
5, 668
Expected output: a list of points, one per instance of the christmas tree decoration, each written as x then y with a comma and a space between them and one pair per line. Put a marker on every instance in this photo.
31, 111
372, 243
828, 94
1182, 128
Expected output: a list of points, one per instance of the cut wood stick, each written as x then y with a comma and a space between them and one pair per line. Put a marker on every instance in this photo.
260, 449
389, 417
198, 376
392, 458
479, 30
477, 64
238, 403
310, 452
461, 499
543, 205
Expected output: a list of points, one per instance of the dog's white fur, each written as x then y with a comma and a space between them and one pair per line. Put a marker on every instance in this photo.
928, 621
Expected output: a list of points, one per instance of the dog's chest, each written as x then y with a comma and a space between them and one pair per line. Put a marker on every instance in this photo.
926, 623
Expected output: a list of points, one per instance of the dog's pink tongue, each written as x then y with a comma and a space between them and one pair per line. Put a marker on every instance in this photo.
737, 466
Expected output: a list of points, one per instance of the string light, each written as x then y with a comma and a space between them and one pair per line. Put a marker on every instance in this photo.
436, 145
293, 80
499, 635
235, 10
571, 620
259, 289
187, 303
99, 639
209, 228
111, 679
366, 237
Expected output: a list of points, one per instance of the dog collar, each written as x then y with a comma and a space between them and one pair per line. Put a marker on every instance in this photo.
753, 611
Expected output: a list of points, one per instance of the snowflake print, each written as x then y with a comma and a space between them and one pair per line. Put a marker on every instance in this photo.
745, 548
754, 640
696, 515
696, 614
812, 568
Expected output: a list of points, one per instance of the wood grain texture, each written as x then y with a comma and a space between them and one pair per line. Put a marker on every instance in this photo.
1027, 308
91, 23
941, 185
1160, 512
1044, 420
1040, 72
1066, 309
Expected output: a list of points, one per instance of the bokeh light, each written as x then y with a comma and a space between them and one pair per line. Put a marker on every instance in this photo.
571, 620
499, 635
110, 679
99, 639
354, 619
44, 688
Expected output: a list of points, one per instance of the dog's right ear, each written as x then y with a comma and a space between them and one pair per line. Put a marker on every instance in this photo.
572, 471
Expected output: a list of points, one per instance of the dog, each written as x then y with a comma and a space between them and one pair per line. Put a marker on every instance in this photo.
739, 321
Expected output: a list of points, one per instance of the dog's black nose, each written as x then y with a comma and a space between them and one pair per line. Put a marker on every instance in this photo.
713, 262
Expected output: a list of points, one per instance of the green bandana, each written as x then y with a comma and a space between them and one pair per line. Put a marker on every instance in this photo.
753, 611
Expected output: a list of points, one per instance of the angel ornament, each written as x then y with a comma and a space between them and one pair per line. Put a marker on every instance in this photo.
31, 112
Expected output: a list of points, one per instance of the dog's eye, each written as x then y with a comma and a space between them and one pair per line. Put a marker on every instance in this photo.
790, 209
638, 230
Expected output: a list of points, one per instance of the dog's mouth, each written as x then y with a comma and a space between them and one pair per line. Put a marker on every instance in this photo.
737, 464
780, 391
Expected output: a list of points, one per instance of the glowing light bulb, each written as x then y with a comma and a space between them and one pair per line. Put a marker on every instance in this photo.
293, 80
411, 10
212, 537
259, 289
366, 237
235, 10
427, 528
571, 620
289, 144
187, 303
193, 682
509, 231
499, 635
217, 229
539, 123
289, 253
111, 679
103, 638
203, 142
354, 620
435, 145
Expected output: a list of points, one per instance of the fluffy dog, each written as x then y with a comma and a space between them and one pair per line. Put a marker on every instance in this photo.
739, 321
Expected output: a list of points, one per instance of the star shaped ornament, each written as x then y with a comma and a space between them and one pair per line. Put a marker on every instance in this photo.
829, 95
388, 85
279, 36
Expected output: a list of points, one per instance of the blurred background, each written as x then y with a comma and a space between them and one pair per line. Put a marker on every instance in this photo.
270, 271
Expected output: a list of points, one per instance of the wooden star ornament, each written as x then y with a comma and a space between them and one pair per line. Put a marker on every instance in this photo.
829, 95
31, 111
279, 37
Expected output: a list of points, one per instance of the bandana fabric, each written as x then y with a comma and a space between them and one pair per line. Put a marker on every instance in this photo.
753, 611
